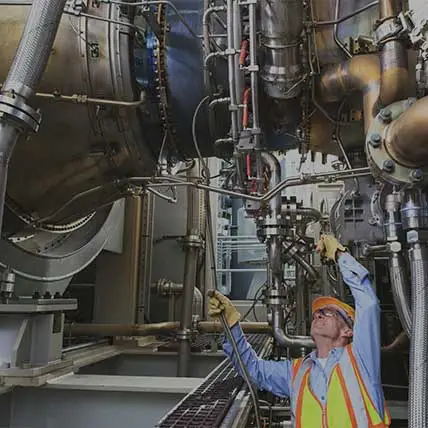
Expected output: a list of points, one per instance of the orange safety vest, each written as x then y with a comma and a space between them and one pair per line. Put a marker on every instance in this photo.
348, 403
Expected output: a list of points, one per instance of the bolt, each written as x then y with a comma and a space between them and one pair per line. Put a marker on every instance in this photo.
375, 140
388, 166
386, 115
416, 175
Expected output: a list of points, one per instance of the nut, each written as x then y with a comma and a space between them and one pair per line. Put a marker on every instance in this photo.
386, 115
416, 175
375, 140
388, 165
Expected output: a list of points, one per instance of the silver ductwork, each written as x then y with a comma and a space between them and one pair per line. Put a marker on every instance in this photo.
282, 24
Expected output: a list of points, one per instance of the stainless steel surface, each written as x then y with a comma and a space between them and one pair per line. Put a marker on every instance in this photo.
282, 25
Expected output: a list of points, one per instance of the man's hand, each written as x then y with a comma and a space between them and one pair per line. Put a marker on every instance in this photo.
218, 304
328, 246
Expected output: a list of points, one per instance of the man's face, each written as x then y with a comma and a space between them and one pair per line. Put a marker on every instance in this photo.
328, 323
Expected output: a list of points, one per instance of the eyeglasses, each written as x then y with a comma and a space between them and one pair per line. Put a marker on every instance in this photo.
329, 312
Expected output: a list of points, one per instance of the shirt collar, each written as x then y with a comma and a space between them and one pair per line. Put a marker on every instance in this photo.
335, 353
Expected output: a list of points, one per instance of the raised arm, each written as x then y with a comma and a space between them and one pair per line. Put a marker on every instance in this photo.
273, 376
366, 341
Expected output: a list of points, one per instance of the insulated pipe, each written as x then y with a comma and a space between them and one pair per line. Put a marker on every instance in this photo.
361, 73
393, 59
24, 75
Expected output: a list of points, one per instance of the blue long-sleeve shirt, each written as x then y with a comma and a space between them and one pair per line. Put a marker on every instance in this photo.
275, 376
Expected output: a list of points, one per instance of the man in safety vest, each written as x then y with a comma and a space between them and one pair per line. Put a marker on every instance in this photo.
338, 385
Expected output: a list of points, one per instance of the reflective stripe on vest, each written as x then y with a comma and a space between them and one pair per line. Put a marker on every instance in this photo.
348, 402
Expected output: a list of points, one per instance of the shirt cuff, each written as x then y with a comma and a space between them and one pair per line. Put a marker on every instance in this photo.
347, 262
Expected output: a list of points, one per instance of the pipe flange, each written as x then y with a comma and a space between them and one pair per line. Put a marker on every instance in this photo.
380, 159
17, 110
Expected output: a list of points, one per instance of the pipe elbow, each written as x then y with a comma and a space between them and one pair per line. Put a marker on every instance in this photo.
357, 74
288, 341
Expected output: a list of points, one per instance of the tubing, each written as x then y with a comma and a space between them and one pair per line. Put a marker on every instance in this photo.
285, 340
400, 290
418, 255
306, 266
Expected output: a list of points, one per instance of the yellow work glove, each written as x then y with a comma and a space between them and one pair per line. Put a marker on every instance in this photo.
218, 304
328, 246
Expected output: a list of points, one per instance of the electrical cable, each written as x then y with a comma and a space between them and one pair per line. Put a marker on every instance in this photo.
244, 370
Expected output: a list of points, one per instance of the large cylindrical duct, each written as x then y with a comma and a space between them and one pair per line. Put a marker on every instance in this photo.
282, 24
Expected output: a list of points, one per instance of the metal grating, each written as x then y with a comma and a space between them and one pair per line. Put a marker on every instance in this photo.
208, 404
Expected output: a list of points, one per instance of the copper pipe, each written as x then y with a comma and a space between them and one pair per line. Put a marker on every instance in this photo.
160, 328
393, 60
406, 137
360, 73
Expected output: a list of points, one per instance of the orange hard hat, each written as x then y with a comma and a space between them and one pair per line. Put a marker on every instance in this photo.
322, 302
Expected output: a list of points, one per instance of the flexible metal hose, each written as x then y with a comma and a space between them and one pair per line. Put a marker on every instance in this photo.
400, 290
25, 73
35, 45
418, 396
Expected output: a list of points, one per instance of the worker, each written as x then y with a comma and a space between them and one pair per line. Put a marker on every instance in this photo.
338, 385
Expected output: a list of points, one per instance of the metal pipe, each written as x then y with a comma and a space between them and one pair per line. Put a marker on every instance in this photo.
393, 59
360, 73
401, 290
231, 73
77, 329
306, 266
189, 281
405, 137
275, 179
85, 99
397, 267
23, 78
284, 339
254, 72
418, 388
282, 26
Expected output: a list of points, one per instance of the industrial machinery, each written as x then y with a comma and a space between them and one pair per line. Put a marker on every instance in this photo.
192, 103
